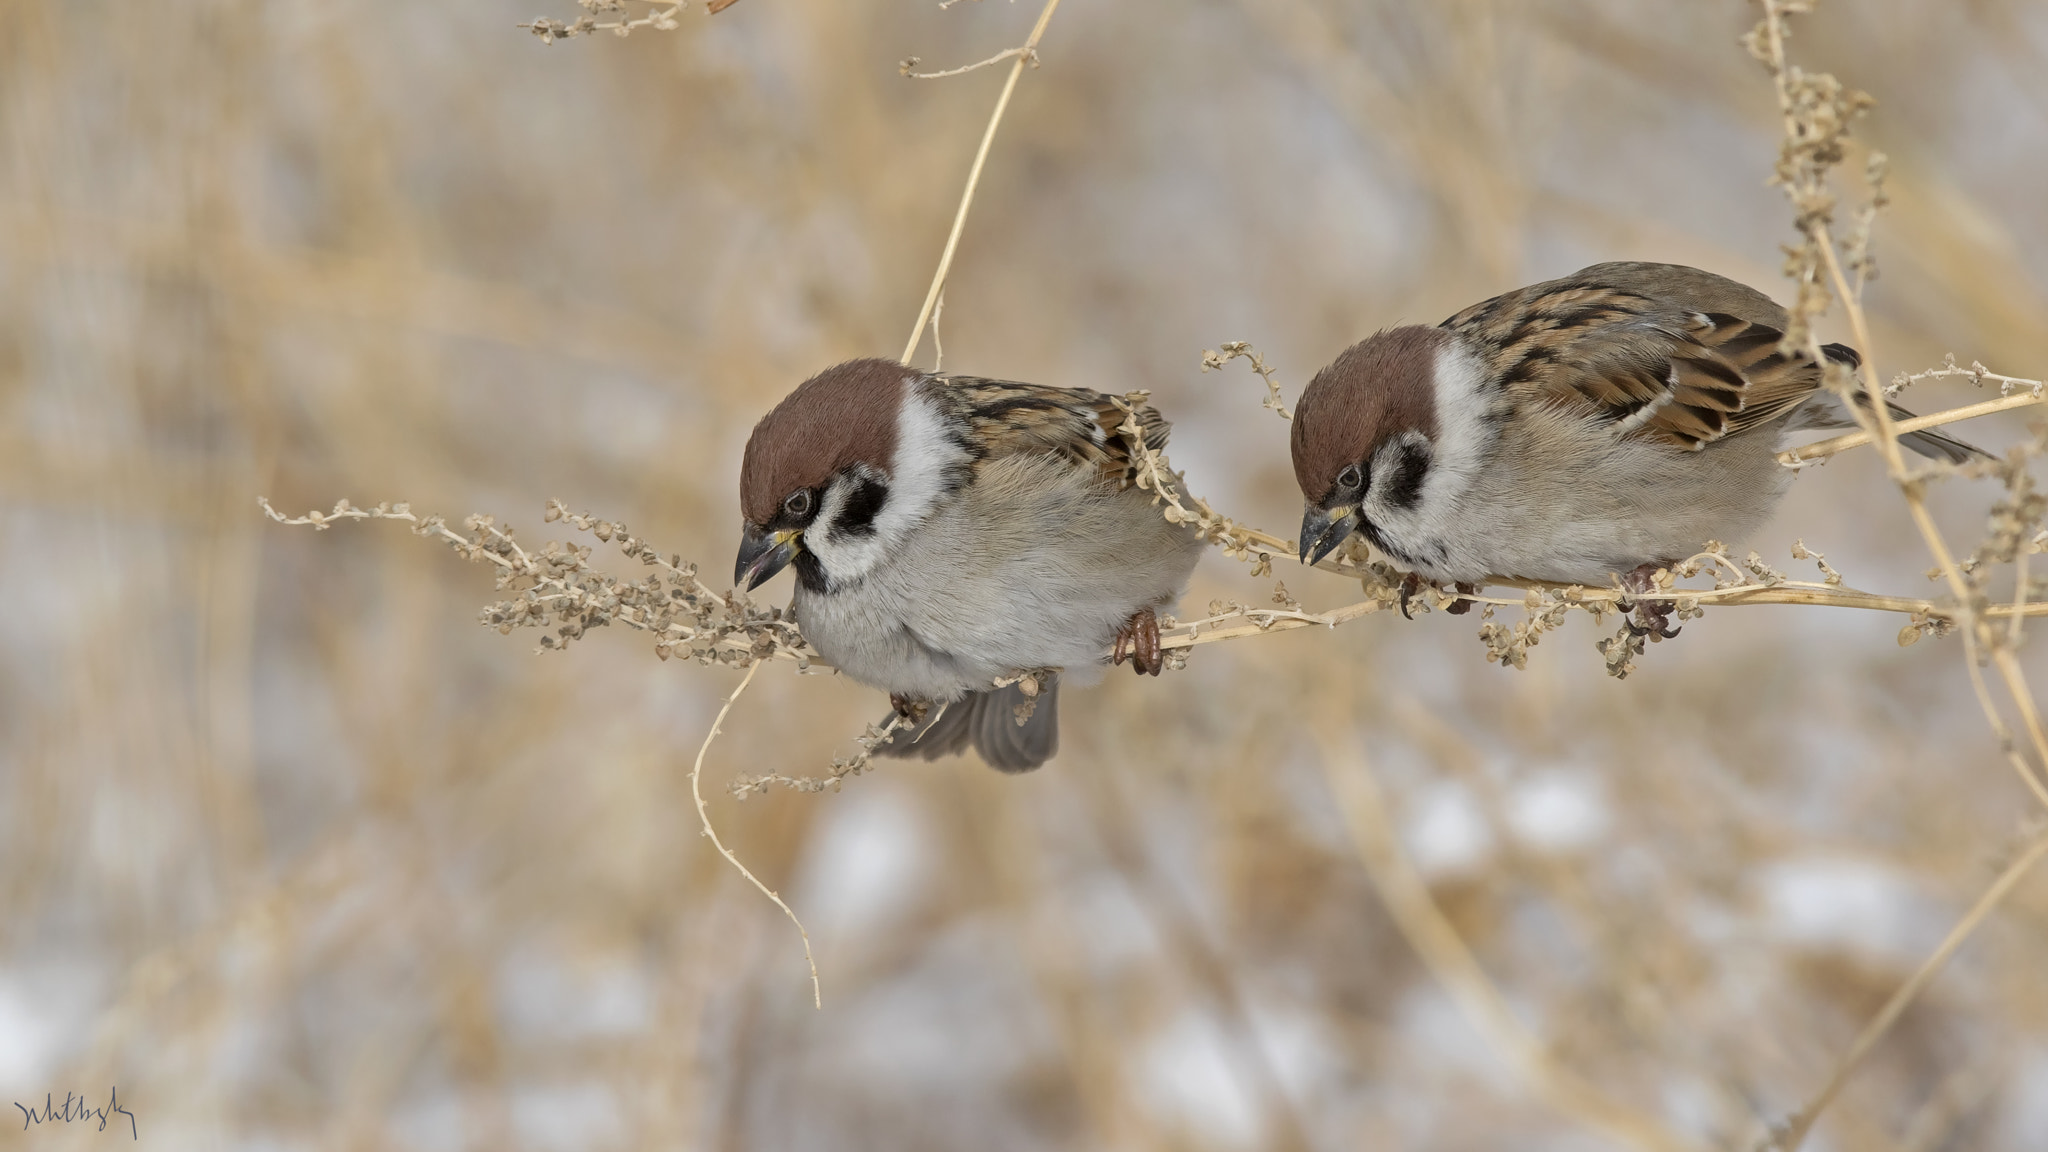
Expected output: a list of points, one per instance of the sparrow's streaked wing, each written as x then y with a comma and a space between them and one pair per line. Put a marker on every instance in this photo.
1009, 418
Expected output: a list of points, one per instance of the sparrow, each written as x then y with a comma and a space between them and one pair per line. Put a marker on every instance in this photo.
1607, 423
951, 531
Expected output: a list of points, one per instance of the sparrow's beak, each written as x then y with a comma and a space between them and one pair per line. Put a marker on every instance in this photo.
1322, 530
763, 554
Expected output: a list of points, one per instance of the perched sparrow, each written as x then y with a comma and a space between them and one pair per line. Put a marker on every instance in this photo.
1609, 422
949, 531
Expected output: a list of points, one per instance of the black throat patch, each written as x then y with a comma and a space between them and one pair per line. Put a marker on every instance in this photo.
811, 573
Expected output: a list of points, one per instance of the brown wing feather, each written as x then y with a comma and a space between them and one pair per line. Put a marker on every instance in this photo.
1081, 425
1728, 376
1657, 373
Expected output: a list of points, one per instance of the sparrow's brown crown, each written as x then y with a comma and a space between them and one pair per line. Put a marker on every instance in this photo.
843, 416
1379, 387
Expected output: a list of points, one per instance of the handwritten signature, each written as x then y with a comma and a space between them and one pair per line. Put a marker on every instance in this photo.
75, 1109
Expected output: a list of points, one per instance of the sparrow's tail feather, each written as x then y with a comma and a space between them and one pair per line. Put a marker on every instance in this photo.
988, 722
1826, 411
1936, 445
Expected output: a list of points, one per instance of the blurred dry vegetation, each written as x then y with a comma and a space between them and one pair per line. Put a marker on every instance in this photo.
298, 856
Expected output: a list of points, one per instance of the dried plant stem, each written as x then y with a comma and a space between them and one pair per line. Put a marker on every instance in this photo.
1025, 55
730, 633
2013, 756
661, 17
1431, 934
1796, 1132
704, 819
1261, 620
1824, 448
1805, 182
1913, 489
1813, 135
1233, 349
998, 58
2019, 597
1975, 372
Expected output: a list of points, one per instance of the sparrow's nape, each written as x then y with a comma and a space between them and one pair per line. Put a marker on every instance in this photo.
1322, 530
763, 554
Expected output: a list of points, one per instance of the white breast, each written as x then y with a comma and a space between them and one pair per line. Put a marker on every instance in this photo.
1563, 500
1036, 564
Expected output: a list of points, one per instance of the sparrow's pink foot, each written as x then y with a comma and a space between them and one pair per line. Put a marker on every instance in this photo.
1651, 618
1139, 640
1460, 607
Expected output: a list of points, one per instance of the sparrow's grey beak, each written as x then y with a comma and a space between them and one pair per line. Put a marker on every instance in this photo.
1322, 530
763, 554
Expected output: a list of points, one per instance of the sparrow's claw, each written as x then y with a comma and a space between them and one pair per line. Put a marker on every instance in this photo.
1650, 617
1410, 585
1139, 640
1461, 606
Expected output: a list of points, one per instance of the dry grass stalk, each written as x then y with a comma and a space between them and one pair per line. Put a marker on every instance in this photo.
557, 588
659, 17
842, 767
704, 821
1231, 350
1822, 449
1818, 112
1027, 53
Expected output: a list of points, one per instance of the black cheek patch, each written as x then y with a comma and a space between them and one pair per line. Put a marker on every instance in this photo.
863, 504
1404, 487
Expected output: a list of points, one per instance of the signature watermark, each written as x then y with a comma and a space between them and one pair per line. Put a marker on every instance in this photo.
75, 1109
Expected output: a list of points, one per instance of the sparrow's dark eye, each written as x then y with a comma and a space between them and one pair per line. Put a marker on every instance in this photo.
798, 504
1349, 477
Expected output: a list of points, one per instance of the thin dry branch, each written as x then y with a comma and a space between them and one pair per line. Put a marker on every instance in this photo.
869, 741
1027, 53
559, 589
910, 62
661, 17
1169, 491
1808, 453
556, 587
1976, 372
704, 819
1233, 349
1817, 112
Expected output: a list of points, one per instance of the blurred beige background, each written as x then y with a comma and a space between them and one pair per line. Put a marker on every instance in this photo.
298, 856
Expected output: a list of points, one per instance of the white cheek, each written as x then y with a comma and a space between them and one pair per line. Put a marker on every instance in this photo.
926, 468
845, 555
927, 464
1464, 440
1464, 436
